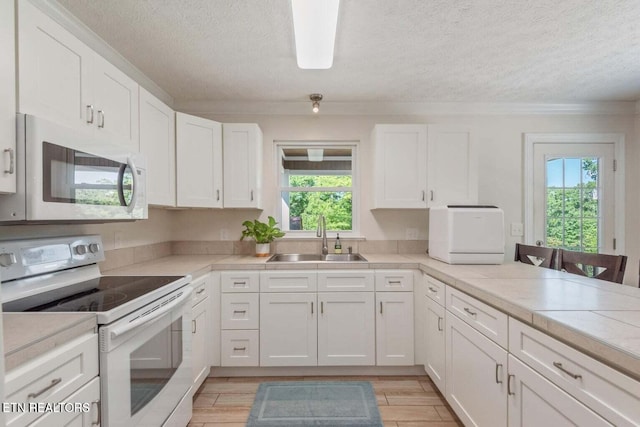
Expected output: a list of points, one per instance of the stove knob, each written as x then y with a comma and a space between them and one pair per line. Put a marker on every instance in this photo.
7, 259
81, 249
94, 247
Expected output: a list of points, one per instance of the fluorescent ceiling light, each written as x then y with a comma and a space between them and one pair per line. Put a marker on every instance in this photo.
315, 154
314, 25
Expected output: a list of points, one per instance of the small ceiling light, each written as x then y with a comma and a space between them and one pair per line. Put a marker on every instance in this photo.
315, 99
314, 26
315, 154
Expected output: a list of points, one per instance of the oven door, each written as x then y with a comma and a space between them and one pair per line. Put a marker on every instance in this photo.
145, 364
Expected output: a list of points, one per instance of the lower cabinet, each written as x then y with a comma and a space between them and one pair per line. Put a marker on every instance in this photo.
201, 330
435, 338
89, 416
535, 401
394, 329
476, 375
288, 329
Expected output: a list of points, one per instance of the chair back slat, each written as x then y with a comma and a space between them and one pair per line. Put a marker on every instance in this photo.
598, 266
536, 255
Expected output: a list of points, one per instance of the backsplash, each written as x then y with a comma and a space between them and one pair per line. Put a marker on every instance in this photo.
117, 258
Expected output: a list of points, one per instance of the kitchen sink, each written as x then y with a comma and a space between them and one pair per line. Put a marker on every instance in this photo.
317, 258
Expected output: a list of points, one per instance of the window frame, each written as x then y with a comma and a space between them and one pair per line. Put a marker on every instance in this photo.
279, 145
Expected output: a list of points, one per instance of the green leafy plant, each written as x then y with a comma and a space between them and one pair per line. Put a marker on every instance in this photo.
261, 232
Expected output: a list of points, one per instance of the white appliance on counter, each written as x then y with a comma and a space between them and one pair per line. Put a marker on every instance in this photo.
462, 234
67, 175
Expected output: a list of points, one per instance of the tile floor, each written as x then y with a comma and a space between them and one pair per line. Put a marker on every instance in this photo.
407, 401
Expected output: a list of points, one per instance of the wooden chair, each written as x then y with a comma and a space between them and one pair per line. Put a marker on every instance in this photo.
536, 255
598, 266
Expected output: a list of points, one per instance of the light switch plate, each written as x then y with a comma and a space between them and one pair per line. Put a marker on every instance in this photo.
517, 229
411, 233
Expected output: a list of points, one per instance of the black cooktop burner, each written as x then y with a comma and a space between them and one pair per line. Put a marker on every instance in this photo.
96, 295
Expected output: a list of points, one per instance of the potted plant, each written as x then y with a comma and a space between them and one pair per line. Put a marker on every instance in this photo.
262, 233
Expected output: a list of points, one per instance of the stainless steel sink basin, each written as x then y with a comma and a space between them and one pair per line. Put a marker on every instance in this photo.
317, 258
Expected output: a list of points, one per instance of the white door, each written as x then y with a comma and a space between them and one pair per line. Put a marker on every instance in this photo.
394, 329
198, 162
476, 372
534, 401
242, 147
346, 329
158, 144
288, 329
574, 201
435, 337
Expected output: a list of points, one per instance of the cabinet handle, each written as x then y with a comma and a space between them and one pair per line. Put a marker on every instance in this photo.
252, 195
440, 324
239, 283
473, 313
423, 195
239, 348
53, 383
571, 374
380, 307
239, 311
200, 291
12, 161
194, 326
498, 366
394, 282
432, 289
217, 195
509, 391
321, 307
99, 411
90, 114
431, 195
101, 119
312, 308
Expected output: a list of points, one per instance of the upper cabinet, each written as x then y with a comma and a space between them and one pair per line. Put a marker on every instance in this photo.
242, 148
61, 79
199, 162
419, 166
158, 144
7, 98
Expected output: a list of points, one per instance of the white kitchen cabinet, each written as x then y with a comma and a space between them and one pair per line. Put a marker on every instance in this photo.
394, 329
242, 151
201, 330
535, 401
452, 171
420, 322
158, 145
288, 329
87, 395
198, 162
7, 98
476, 375
400, 166
240, 348
61, 79
435, 344
346, 329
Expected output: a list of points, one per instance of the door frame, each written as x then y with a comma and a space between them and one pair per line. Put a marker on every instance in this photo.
618, 139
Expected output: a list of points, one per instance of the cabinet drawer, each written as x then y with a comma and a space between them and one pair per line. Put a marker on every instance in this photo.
200, 289
608, 392
88, 395
394, 280
348, 281
240, 311
435, 289
240, 281
487, 320
240, 348
288, 281
51, 377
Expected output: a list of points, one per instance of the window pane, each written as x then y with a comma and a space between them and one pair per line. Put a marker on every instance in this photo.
572, 172
554, 173
305, 207
319, 181
555, 232
590, 234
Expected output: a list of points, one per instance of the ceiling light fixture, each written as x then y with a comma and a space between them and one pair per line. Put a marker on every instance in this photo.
314, 26
315, 99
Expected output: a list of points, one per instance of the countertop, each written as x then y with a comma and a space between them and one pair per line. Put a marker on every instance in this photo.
597, 317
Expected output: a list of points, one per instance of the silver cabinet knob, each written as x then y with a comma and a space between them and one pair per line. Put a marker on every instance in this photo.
7, 259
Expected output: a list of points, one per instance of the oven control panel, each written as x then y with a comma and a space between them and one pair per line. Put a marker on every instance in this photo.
28, 257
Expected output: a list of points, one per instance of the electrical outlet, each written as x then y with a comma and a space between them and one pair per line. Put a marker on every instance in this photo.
411, 233
517, 229
118, 239
224, 234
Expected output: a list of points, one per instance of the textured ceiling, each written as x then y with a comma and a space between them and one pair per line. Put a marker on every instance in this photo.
386, 51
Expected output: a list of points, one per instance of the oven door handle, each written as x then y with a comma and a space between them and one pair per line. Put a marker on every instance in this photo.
124, 328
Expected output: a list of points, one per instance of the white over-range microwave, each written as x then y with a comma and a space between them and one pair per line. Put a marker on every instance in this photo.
67, 175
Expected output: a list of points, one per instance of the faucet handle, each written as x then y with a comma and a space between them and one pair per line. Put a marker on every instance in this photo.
350, 249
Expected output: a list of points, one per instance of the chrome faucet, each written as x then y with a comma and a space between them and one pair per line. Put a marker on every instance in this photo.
322, 232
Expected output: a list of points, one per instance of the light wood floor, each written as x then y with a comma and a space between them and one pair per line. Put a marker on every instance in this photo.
410, 401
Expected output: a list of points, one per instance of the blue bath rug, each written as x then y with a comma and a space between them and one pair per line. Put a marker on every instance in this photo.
315, 403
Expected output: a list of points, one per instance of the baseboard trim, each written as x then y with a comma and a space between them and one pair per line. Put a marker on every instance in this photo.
316, 371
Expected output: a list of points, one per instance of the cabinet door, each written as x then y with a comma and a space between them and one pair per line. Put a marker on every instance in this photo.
288, 329
535, 401
199, 162
115, 97
400, 166
87, 395
476, 386
200, 339
7, 98
394, 328
54, 72
346, 329
242, 147
452, 167
435, 337
158, 144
